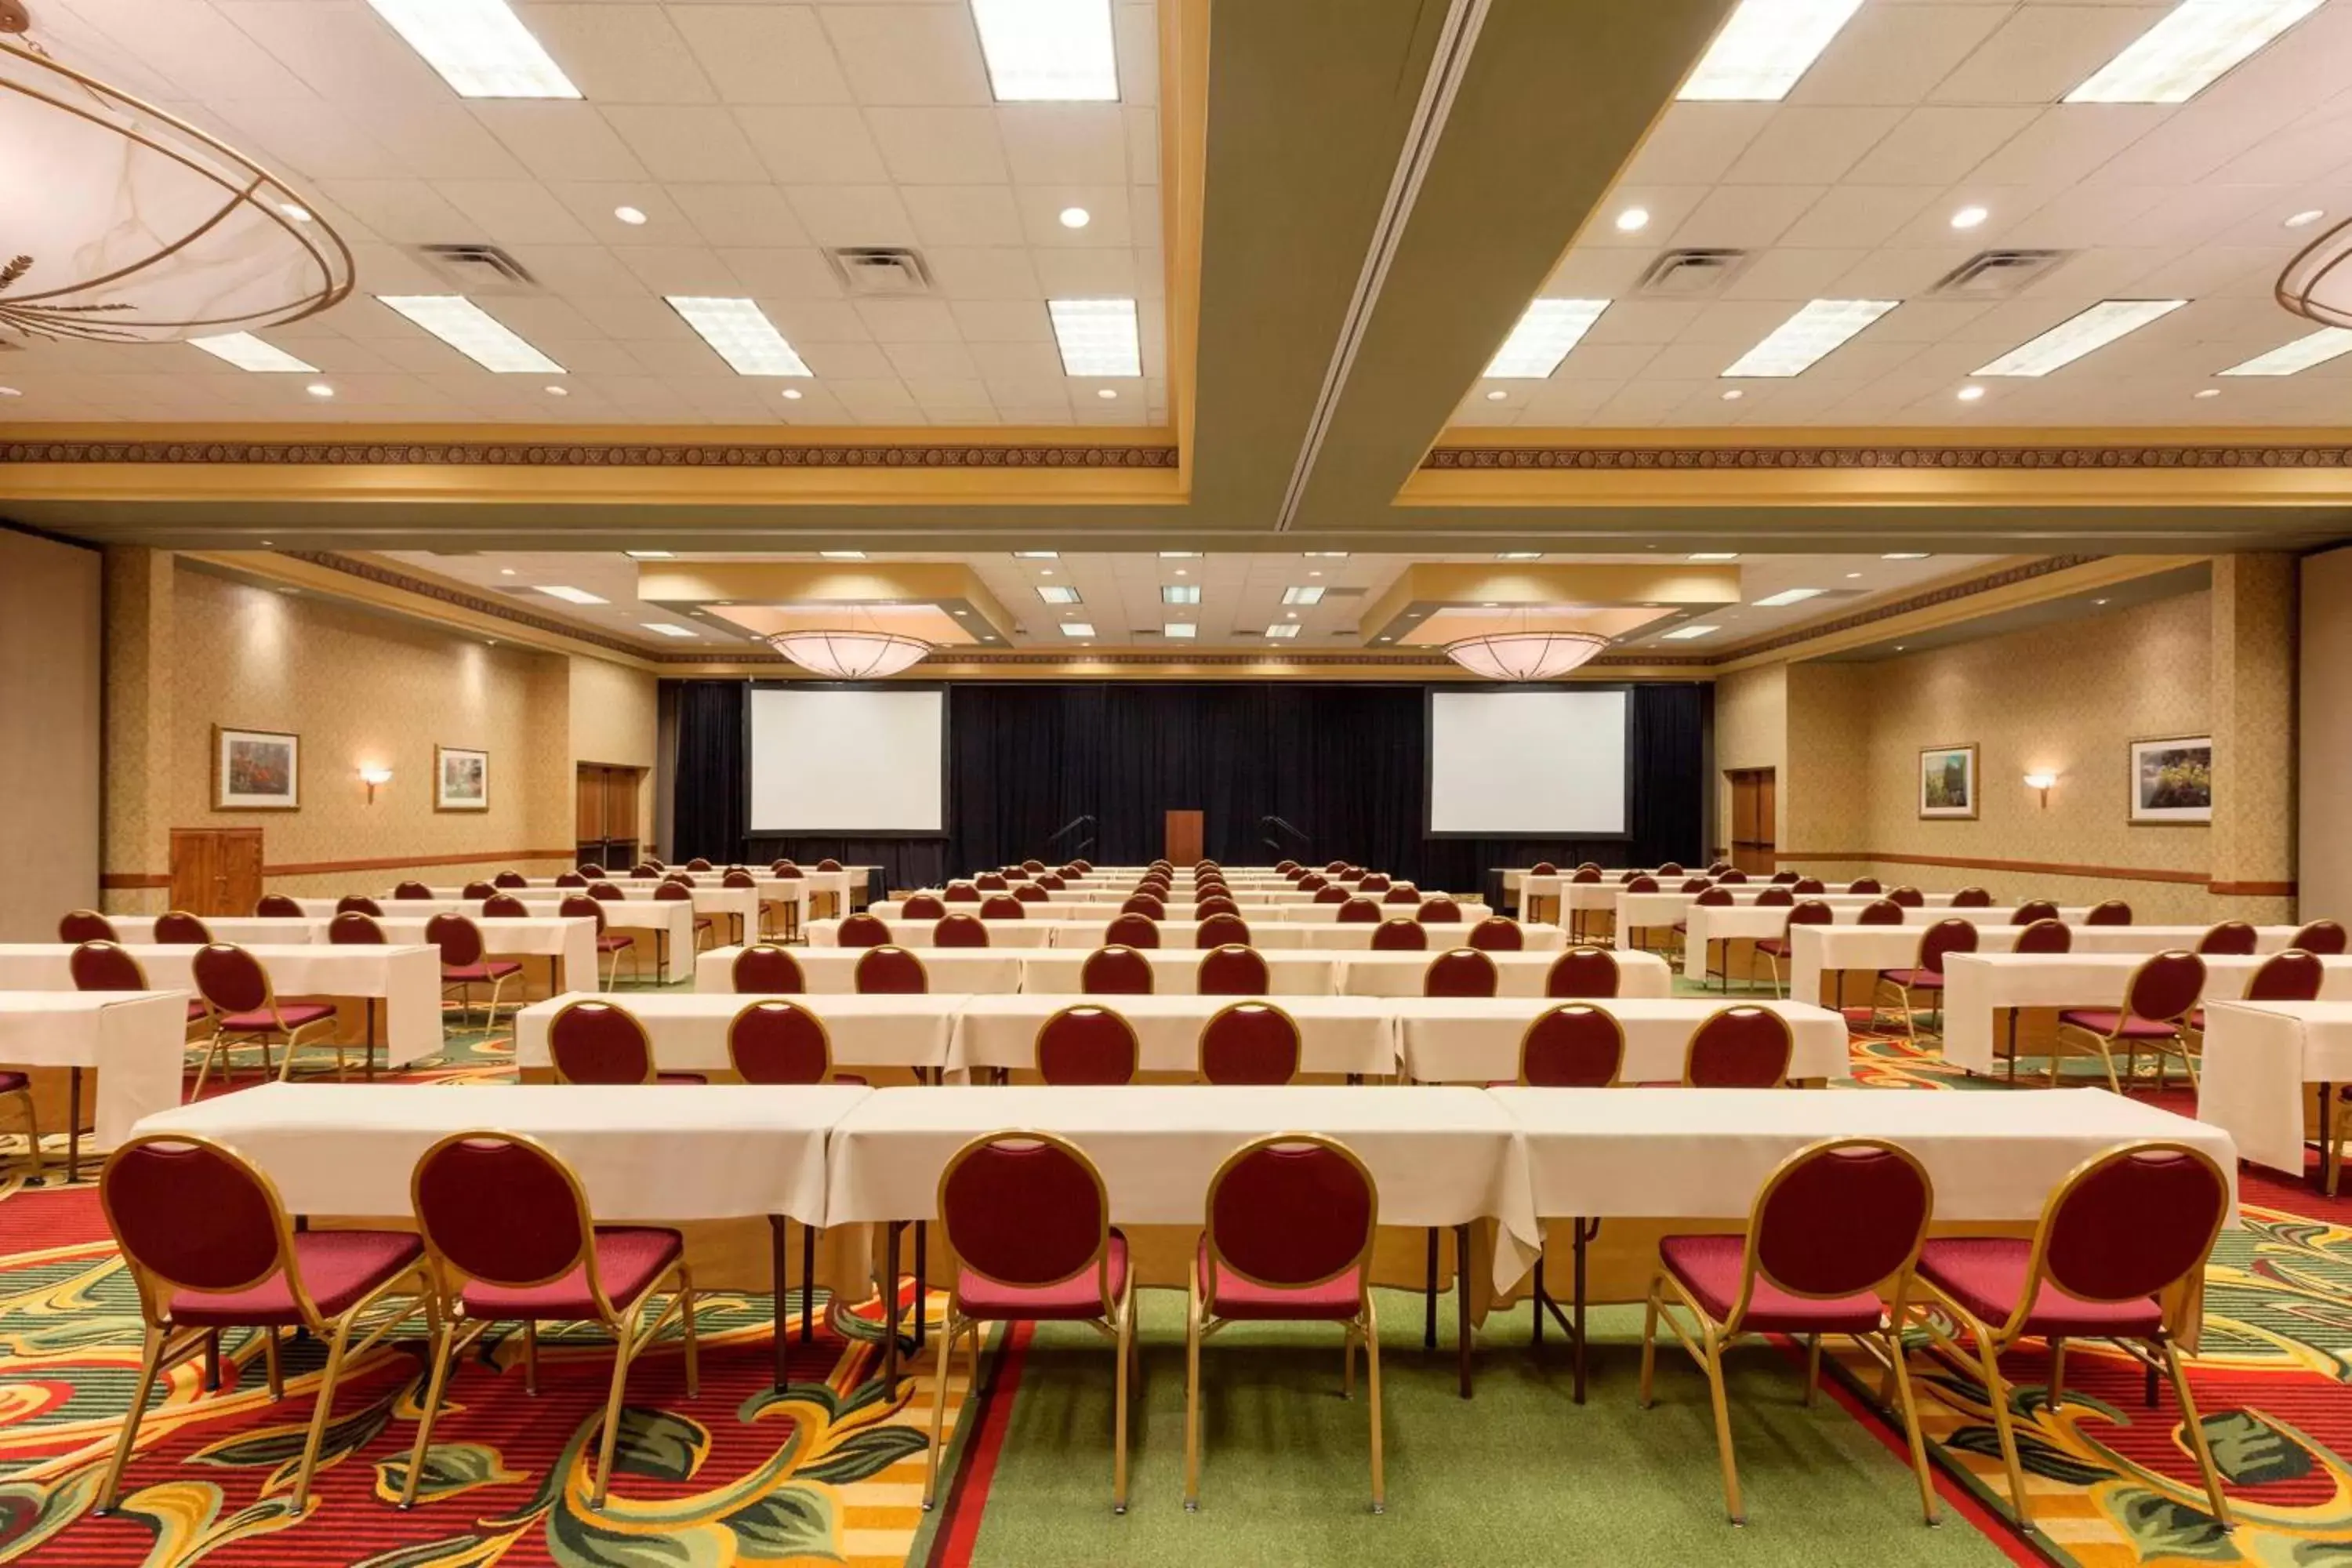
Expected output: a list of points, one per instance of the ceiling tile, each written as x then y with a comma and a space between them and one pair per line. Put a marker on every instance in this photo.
195, 46
990, 322
688, 145
844, 362
515, 212
558, 140
813, 146
935, 361
1793, 275
309, 139
852, 214
1064, 143
406, 212
2065, 143
1801, 146
939, 146
909, 321
2042, 52
1105, 207
964, 214
1939, 145
618, 53
783, 272
816, 321
1694, 144
1745, 216
740, 216
1858, 214
1034, 364
1893, 54
764, 53
1001, 272
1087, 274
909, 54
680, 269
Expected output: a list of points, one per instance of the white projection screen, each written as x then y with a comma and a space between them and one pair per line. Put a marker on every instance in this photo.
848, 760
1545, 763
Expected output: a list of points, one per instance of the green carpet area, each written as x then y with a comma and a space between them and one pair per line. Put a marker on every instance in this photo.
1518, 1475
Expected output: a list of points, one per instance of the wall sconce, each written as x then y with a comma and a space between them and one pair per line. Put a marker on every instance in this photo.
2042, 783
372, 774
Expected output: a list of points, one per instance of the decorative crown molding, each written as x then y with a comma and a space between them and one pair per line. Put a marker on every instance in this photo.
458, 598
1926, 599
587, 455
1638, 460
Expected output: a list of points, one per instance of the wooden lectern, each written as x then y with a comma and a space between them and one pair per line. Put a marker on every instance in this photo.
1183, 837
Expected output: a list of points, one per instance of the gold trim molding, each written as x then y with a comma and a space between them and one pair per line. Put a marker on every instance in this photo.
590, 455
1923, 454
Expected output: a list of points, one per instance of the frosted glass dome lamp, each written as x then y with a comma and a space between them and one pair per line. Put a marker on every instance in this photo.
850, 653
1524, 653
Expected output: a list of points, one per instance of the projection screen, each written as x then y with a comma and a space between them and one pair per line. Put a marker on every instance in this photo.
1528, 763
848, 760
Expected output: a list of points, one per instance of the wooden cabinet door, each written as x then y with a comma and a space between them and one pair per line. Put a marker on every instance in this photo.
590, 823
621, 805
215, 870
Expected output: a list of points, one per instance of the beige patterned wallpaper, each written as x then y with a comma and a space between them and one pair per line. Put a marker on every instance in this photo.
614, 722
1751, 731
2324, 797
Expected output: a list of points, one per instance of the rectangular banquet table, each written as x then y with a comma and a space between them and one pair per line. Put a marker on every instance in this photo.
1290, 972
407, 979
571, 942
1819, 953
1336, 1034
1446, 1039
688, 1029
917, 932
668, 923
136, 1039
1517, 974
833, 970
1978, 985
2258, 1058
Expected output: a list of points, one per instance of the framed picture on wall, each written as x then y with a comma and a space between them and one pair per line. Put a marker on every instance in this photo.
461, 779
2172, 779
1948, 781
255, 770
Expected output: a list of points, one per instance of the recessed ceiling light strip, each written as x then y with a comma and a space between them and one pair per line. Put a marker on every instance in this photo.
1457, 36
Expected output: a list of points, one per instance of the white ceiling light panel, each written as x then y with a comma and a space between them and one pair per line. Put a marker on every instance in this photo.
1764, 47
1819, 329
1543, 337
2079, 334
480, 47
2196, 43
1098, 337
246, 352
741, 333
1048, 50
2311, 349
472, 332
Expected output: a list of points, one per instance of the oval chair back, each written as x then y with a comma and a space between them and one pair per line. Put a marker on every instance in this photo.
352, 904
1696, 885
2294, 975
2165, 987
828, 864
276, 907
2033, 910
100, 965
595, 1042
1331, 893
1808, 887
191, 1214
1642, 884
592, 870
510, 879
1292, 1212
2044, 936
1785, 879
1221, 929
1148, 905
1738, 1048
1836, 1219
231, 980
959, 931
1671, 868
1360, 911
699, 864
177, 928
1033, 867
570, 879
459, 940
1051, 882
738, 878
1214, 904
1943, 937
2231, 939
1233, 969
1030, 893
1544, 868
645, 869
477, 889
1131, 930
1027, 1210
1250, 1042
1908, 897
666, 891
779, 1042
85, 925
1115, 969
1440, 911
1003, 907
1462, 971
1575, 1046
1377, 882
991, 882
581, 907
504, 907
1086, 1045
352, 929
921, 907
862, 931
1401, 893
1399, 936
1581, 972
1585, 875
960, 893
1972, 899
2112, 912
889, 971
605, 892
1497, 933
1865, 885
1335, 868
767, 969
411, 890
1880, 912
1715, 898
503, 1209
1774, 898
1732, 877
2130, 1223
2321, 937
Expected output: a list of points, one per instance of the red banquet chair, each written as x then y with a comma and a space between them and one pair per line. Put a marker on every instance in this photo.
2231, 939
961, 894
1440, 911
1051, 882
891, 970
1028, 1221
276, 907
2157, 1002
1973, 897
1926, 976
1332, 893
1497, 933
1287, 1237
1215, 904
991, 882
1738, 1048
1377, 882
1003, 907
921, 906
2109, 913
1462, 972
1580, 973
246, 1011
464, 965
2114, 1245
1131, 930
510, 879
1358, 911
1250, 1043
1399, 936
1088, 1044
99, 966
605, 892
209, 1246
1543, 868
1835, 1224
1402, 893
1233, 969
2033, 912
1033, 867
1148, 905
2291, 975
1786, 879
1808, 887
1115, 969
504, 907
1572, 1045
507, 1227
959, 931
773, 1041
1315, 883
1776, 948
699, 864
1335, 868
411, 890
1221, 930
1775, 896
1908, 897
681, 892
177, 928
571, 880
2324, 937
1031, 893
862, 931
609, 946
1865, 885
766, 969
1880, 912
352, 929
86, 925
596, 1042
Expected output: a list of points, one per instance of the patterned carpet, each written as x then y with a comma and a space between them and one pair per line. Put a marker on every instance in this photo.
829, 1471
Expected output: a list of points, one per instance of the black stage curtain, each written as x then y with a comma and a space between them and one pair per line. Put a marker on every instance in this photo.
1345, 763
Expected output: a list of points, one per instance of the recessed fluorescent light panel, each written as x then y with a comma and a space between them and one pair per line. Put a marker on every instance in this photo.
1056, 594
246, 352
1098, 337
1543, 337
741, 333
1180, 629
1036, 555
1715, 555
1078, 628
1048, 50
2184, 54
2311, 349
1764, 47
665, 629
1519, 555
1326, 554
1905, 555
480, 47
1790, 596
1798, 343
1180, 592
1286, 629
1180, 555
472, 332
649, 554
571, 595
1313, 595
1682, 634
2077, 335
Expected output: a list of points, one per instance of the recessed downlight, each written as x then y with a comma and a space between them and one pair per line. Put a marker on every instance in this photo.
1075, 218
631, 215
1969, 217
2305, 218
1970, 394
1633, 220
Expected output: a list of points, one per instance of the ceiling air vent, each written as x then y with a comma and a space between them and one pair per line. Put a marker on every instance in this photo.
880, 272
1691, 274
1997, 274
476, 268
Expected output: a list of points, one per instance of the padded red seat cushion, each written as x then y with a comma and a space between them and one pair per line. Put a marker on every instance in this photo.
2102, 1022
196, 1010
10, 1082
296, 1015
679, 1078
613, 943
1708, 1268
628, 1258
1986, 1274
1774, 945
1333, 1300
487, 970
339, 1267
1078, 1298
1914, 979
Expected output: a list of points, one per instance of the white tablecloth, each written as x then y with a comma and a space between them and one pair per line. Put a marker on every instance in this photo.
622, 917
573, 940
688, 1029
673, 1152
833, 970
1517, 974
1668, 1153
1439, 1157
1977, 984
1290, 972
137, 1040
1476, 1039
245, 930
408, 979
2258, 1058
1336, 1034
1820, 951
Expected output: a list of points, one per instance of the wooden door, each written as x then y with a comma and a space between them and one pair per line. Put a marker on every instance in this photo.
1753, 809
589, 813
215, 870
621, 805
1183, 837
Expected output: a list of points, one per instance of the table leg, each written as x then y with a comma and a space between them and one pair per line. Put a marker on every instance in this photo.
776, 1251
808, 1283
367, 1067
73, 1129
212, 1361
1429, 1312
1583, 1235
890, 1309
2327, 1174
1462, 1300
922, 1276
